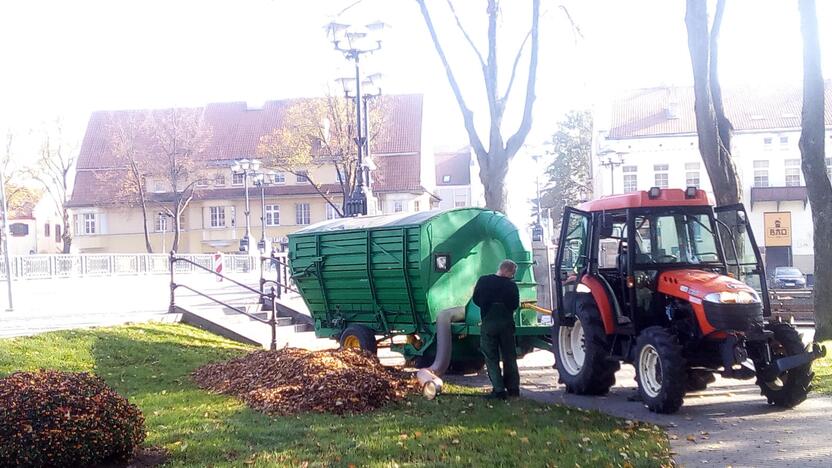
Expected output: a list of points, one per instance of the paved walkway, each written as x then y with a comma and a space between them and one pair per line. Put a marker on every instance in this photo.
729, 424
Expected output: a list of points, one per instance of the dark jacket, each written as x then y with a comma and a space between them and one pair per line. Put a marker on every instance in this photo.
495, 289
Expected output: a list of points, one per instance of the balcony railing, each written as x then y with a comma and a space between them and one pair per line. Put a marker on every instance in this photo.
84, 265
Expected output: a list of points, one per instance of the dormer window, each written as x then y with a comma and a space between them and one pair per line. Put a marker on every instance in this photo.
446, 179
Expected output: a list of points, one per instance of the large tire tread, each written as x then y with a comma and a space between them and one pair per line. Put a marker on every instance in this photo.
674, 370
366, 338
597, 375
799, 382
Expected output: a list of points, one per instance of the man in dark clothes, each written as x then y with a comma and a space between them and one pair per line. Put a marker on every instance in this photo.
497, 297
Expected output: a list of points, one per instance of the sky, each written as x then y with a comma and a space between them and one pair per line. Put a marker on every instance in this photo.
70, 58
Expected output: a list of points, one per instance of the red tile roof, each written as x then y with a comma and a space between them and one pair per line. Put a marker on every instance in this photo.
456, 165
397, 173
235, 134
644, 112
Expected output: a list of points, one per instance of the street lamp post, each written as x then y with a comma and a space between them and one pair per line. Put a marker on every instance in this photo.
612, 159
261, 180
537, 230
246, 167
354, 43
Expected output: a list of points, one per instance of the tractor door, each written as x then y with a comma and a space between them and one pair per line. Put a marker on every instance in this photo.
572, 258
742, 255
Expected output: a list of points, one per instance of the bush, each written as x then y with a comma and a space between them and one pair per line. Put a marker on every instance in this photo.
52, 418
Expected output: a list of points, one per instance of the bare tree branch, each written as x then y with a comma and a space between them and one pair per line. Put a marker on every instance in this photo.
467, 114
465, 33
516, 140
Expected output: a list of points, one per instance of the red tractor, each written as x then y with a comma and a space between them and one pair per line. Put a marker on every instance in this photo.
666, 282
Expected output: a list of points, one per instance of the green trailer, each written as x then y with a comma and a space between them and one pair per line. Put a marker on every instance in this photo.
373, 278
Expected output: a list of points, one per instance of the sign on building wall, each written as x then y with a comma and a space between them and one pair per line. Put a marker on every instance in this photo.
778, 229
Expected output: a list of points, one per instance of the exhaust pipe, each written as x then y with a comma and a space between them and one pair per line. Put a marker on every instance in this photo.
429, 377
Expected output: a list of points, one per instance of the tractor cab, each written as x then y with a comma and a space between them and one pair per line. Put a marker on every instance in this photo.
661, 272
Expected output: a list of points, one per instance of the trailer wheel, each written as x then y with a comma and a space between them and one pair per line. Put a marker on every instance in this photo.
581, 353
359, 337
661, 370
790, 388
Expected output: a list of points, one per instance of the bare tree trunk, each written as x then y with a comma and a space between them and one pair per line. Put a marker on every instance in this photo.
66, 236
147, 245
712, 126
814, 168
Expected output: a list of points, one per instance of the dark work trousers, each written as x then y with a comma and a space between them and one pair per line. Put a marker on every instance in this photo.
497, 342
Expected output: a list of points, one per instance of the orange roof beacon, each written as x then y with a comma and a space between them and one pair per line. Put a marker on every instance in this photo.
664, 281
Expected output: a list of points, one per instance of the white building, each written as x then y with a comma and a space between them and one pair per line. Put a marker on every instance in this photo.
458, 180
651, 139
35, 228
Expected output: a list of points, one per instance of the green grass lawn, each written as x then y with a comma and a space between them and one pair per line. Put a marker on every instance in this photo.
150, 364
823, 371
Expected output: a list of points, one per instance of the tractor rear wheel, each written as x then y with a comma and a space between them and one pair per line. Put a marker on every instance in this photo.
661, 370
359, 337
581, 353
790, 388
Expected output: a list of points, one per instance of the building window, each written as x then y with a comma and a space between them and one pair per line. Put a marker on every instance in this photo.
19, 229
446, 179
784, 140
202, 182
58, 237
692, 174
767, 141
161, 223
158, 186
279, 178
760, 173
398, 206
792, 172
630, 178
460, 200
238, 178
661, 175
272, 215
416, 205
302, 214
829, 168
217, 216
219, 180
46, 232
90, 225
301, 177
331, 213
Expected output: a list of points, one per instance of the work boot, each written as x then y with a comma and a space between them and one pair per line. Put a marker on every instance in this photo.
514, 393
496, 395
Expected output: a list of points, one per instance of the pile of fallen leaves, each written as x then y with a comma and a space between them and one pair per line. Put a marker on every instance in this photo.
292, 380
52, 418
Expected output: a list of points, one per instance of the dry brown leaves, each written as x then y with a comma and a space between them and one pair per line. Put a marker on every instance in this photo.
293, 380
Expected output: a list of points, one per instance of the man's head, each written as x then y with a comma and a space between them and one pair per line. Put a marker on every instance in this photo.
507, 269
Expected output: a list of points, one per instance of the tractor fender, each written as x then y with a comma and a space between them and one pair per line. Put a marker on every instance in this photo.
602, 300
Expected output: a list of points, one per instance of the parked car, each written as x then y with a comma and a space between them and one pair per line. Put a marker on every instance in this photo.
788, 277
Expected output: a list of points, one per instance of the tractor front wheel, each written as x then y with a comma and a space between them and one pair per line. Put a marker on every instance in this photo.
582, 354
359, 337
661, 370
790, 388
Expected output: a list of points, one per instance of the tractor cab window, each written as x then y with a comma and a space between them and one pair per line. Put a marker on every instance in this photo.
612, 244
675, 238
575, 255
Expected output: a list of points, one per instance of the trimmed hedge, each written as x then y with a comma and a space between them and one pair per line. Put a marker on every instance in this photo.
52, 418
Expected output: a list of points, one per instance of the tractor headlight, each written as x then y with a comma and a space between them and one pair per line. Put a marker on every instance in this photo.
733, 297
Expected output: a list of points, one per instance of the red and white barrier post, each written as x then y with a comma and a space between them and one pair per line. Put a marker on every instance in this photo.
218, 264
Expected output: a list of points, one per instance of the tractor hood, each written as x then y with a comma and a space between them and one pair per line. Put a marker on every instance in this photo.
698, 285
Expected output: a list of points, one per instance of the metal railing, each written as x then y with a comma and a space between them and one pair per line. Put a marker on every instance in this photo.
49, 266
178, 263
